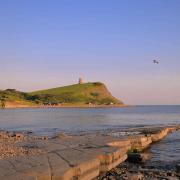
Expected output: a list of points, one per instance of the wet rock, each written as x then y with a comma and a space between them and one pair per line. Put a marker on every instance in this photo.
138, 157
178, 168
135, 157
170, 174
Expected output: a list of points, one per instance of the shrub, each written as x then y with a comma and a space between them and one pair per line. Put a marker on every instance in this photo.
95, 94
98, 84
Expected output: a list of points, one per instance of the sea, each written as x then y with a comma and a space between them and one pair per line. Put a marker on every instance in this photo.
48, 121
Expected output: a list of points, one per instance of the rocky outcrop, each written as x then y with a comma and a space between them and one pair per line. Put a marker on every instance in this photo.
73, 157
140, 142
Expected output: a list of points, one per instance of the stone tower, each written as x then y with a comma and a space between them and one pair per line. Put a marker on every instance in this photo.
81, 81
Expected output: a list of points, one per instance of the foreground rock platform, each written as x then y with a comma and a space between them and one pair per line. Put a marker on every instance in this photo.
64, 157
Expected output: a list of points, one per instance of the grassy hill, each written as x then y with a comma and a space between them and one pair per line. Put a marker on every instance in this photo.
77, 94
95, 93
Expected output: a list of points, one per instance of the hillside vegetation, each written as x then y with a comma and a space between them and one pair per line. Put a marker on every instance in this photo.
77, 94
14, 97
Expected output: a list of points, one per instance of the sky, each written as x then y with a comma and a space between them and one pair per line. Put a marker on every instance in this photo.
46, 44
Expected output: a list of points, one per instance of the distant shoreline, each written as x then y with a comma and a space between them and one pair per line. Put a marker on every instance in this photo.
64, 106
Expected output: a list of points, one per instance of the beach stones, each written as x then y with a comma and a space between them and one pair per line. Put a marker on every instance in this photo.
137, 176
11, 136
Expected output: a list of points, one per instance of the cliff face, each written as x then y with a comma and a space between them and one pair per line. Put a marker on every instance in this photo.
78, 94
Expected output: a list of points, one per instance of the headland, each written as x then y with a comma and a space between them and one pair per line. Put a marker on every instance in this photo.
81, 95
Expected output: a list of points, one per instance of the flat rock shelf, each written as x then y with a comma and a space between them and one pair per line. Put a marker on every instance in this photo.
64, 157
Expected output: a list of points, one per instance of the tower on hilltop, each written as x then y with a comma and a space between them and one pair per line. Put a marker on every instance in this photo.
81, 80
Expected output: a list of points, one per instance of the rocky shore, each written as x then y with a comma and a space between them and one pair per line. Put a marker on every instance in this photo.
9, 145
86, 156
131, 171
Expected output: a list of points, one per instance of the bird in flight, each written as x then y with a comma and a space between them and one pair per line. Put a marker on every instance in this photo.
155, 61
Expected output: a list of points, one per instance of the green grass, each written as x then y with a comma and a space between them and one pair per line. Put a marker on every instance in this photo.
77, 94
95, 93
11, 95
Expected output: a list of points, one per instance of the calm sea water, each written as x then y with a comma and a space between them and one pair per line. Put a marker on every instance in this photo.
166, 153
74, 120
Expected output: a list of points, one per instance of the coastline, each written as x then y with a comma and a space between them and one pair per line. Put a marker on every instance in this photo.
64, 106
66, 157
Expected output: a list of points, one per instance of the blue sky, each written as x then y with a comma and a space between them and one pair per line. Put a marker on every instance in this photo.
47, 44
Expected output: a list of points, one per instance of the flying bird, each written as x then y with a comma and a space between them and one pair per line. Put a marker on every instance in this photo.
155, 61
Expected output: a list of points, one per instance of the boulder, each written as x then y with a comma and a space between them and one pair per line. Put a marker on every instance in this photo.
135, 157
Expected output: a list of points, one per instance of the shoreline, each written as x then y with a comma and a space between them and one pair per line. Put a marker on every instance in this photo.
65, 106
139, 171
66, 157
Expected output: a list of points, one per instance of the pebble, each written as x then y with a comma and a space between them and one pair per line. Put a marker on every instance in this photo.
111, 178
137, 176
